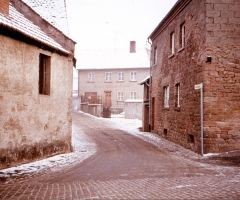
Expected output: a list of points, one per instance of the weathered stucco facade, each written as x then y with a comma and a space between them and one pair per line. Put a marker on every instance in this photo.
197, 42
33, 125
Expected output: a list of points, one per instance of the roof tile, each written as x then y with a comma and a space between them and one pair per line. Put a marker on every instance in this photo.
19, 22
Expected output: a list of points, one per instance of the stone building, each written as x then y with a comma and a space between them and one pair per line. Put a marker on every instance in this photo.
36, 65
112, 81
197, 44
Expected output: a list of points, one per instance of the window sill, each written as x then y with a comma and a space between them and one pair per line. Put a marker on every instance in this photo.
154, 65
108, 81
181, 49
91, 81
119, 100
132, 80
166, 108
120, 81
171, 56
177, 108
45, 95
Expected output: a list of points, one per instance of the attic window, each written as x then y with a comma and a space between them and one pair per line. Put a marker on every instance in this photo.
44, 74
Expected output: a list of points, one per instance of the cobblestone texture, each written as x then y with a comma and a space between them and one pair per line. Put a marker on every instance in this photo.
211, 187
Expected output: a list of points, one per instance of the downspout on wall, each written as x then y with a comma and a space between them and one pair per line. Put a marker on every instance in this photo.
150, 90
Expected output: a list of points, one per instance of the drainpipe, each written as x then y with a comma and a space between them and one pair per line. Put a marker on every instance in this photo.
200, 87
150, 90
201, 109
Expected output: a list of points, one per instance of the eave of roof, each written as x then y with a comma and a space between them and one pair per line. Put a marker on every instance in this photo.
17, 22
41, 15
116, 68
144, 80
178, 7
52, 11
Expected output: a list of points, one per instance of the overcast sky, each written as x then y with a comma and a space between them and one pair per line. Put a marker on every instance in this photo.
112, 24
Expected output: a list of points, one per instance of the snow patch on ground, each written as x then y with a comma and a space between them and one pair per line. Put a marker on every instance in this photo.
210, 154
184, 186
83, 148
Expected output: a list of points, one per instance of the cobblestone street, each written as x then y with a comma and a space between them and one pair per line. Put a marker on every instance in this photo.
128, 166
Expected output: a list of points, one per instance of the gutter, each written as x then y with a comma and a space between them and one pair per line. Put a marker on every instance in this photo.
176, 9
150, 89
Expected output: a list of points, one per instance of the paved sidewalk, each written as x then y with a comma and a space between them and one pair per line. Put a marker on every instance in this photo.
149, 188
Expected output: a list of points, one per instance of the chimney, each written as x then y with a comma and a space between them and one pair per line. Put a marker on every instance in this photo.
132, 46
4, 7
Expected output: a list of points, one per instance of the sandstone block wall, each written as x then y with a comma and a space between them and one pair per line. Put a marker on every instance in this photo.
180, 125
211, 29
222, 76
32, 126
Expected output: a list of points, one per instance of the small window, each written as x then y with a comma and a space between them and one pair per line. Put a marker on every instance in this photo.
91, 77
120, 96
108, 77
172, 43
155, 56
44, 74
191, 139
177, 95
166, 96
182, 36
120, 76
133, 76
133, 95
165, 132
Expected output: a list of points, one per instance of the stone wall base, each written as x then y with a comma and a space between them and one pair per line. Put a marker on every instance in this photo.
18, 155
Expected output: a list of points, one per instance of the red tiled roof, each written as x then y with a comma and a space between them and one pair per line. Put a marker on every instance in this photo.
18, 22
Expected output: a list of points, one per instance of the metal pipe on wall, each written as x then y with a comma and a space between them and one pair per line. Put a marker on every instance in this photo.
201, 110
150, 90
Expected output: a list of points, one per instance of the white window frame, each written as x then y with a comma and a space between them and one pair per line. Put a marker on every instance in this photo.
182, 35
108, 76
133, 76
120, 76
90, 77
178, 95
133, 95
120, 96
155, 56
166, 96
172, 42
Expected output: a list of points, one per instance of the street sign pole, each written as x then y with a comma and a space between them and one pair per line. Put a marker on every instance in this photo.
200, 87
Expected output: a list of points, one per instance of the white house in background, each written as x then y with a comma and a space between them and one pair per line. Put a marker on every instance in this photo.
110, 78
